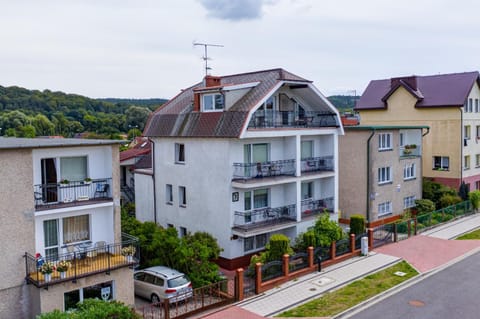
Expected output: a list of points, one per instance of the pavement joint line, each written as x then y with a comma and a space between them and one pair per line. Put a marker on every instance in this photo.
305, 300
308, 277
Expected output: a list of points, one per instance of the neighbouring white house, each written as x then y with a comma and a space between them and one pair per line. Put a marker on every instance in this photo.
243, 157
60, 202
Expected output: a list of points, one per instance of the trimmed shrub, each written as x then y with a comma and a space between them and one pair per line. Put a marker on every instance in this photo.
474, 197
357, 224
424, 206
278, 246
449, 200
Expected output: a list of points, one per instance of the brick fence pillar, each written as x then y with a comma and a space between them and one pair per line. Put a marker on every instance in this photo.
286, 262
239, 284
370, 238
352, 243
333, 250
258, 277
310, 257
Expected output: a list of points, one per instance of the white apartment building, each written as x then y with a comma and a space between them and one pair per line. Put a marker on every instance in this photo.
243, 157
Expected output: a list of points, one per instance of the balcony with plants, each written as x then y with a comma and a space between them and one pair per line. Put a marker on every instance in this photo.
72, 193
313, 207
81, 260
255, 219
410, 150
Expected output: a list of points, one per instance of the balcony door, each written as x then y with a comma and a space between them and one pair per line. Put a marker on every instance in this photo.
50, 235
255, 154
49, 180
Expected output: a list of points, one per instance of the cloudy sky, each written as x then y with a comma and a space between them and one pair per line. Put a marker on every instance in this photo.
144, 48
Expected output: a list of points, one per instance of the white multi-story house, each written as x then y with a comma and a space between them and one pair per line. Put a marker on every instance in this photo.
243, 157
60, 200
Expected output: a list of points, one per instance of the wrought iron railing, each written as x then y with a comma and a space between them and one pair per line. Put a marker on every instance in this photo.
83, 260
264, 217
273, 119
72, 192
312, 164
265, 169
316, 206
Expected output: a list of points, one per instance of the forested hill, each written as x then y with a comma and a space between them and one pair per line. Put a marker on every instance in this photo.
343, 102
29, 113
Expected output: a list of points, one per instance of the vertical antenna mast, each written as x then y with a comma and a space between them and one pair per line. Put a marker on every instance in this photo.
205, 57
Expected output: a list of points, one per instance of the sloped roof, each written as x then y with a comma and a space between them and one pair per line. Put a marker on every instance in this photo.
443, 90
177, 117
142, 147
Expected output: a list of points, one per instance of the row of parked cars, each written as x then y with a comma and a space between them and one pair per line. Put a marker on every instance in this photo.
159, 283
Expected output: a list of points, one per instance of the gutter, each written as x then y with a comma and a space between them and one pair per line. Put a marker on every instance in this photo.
153, 181
462, 145
368, 174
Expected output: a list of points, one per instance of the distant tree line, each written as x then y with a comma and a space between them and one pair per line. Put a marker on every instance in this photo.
344, 103
30, 113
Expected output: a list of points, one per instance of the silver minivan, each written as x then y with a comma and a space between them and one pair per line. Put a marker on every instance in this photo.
159, 282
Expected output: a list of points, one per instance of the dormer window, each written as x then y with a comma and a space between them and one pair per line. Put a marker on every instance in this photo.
213, 102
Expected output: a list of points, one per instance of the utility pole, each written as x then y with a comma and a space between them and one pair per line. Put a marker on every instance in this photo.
205, 57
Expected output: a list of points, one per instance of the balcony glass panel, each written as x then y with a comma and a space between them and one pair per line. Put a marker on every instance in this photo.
263, 217
293, 119
324, 163
263, 169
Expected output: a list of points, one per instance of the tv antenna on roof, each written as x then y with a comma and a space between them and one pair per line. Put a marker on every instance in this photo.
205, 57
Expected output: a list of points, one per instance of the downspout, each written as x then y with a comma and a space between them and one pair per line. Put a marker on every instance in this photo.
153, 181
368, 174
462, 145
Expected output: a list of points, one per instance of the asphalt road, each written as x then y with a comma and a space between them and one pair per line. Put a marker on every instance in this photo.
450, 293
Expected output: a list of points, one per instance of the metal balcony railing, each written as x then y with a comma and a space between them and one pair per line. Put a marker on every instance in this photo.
72, 193
273, 119
262, 217
265, 169
312, 207
84, 260
313, 164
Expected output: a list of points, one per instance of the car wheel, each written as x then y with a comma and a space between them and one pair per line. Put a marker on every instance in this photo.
155, 299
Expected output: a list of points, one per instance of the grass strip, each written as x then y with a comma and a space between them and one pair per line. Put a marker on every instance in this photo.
334, 302
473, 235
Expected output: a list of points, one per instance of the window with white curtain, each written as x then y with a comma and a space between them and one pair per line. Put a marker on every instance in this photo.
73, 168
76, 228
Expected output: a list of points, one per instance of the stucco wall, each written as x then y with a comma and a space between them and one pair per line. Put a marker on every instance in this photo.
16, 227
144, 210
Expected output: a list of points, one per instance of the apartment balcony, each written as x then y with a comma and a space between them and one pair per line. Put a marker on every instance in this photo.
316, 164
247, 171
274, 119
72, 193
85, 260
312, 207
264, 218
411, 150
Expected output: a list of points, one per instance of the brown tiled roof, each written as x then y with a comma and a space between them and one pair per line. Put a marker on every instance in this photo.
177, 118
443, 90
137, 150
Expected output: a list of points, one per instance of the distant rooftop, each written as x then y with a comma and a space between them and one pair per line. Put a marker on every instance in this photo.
15, 143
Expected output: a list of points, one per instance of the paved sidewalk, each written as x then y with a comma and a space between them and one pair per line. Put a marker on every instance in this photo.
311, 286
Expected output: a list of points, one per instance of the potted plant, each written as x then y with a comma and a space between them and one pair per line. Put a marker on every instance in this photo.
128, 252
46, 269
87, 181
62, 268
64, 182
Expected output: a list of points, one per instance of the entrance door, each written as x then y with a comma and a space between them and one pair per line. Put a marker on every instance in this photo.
49, 180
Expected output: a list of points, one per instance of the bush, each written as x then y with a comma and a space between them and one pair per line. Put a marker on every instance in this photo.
449, 200
474, 197
326, 230
94, 308
424, 206
357, 224
278, 246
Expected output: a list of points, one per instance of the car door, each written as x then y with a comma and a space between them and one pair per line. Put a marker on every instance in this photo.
139, 284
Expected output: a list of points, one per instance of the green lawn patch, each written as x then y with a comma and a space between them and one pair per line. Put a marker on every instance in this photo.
472, 235
334, 302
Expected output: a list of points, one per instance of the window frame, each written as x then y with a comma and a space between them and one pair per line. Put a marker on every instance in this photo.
442, 166
169, 194
466, 162
385, 208
382, 174
254, 242
214, 102
62, 174
409, 172
409, 201
385, 142
467, 132
179, 153
182, 196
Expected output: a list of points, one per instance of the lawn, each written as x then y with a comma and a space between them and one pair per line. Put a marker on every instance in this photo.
473, 235
334, 302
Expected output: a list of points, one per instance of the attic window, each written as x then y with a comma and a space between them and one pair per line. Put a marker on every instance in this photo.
213, 102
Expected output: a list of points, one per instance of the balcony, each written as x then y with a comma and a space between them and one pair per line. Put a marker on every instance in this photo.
315, 164
274, 119
264, 217
245, 171
410, 150
83, 263
73, 193
312, 207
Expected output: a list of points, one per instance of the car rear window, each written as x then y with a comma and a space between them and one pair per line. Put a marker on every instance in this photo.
178, 281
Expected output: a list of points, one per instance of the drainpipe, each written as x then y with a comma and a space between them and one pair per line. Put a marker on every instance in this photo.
462, 140
153, 181
368, 174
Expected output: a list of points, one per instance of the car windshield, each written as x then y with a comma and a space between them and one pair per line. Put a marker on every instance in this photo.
178, 281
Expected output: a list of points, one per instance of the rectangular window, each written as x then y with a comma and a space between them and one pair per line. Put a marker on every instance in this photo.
76, 228
477, 160
441, 163
259, 200
470, 105
169, 194
384, 209
408, 202
307, 190
385, 141
409, 171
213, 102
384, 175
402, 139
183, 231
476, 106
50, 234
102, 291
466, 162
73, 168
306, 148
248, 243
179, 153
255, 242
466, 132
478, 132
477, 185
182, 196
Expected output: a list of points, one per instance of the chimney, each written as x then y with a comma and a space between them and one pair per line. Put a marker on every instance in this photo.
211, 80
411, 81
